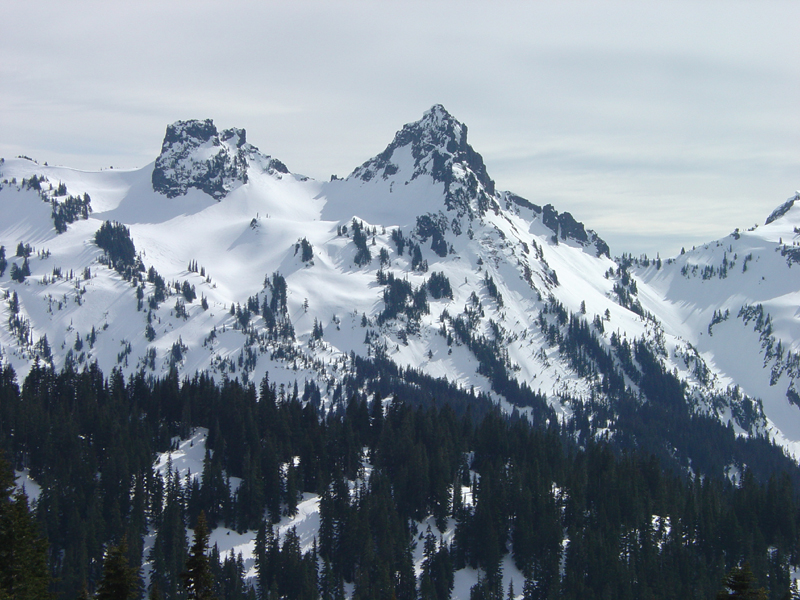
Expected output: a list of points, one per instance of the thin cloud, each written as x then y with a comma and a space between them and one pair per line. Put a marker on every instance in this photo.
684, 109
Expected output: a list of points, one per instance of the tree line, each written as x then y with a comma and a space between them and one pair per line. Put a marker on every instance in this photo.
579, 516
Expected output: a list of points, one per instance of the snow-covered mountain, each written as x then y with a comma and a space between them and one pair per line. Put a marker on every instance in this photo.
241, 267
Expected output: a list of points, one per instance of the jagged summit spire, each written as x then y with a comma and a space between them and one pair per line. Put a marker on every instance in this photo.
437, 129
437, 116
438, 146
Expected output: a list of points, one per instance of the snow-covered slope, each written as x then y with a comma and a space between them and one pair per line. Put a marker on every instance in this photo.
416, 257
736, 301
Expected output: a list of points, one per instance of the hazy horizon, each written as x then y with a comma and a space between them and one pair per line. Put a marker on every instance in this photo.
659, 126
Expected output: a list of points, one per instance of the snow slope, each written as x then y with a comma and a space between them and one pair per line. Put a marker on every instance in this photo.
216, 213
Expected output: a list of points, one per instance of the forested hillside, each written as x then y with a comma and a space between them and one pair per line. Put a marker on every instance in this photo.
579, 517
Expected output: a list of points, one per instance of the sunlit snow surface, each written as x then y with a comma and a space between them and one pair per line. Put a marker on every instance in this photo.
253, 232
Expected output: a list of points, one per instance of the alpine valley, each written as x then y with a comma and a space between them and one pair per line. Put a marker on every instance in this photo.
256, 336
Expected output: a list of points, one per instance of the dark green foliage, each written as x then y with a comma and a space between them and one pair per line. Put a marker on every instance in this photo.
19, 274
306, 250
417, 262
24, 250
439, 286
278, 287
739, 584
197, 578
177, 352
3, 260
242, 316
120, 580
637, 525
434, 227
399, 241
491, 287
252, 304
70, 209
180, 310
366, 541
34, 183
495, 364
383, 258
316, 332
282, 570
437, 578
24, 573
626, 290
159, 288
188, 291
400, 297
13, 303
363, 255
115, 240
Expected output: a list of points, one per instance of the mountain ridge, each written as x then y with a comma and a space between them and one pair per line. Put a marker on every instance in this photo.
232, 228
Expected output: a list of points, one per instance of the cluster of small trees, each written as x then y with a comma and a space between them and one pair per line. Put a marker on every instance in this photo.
18, 273
439, 286
193, 268
363, 255
115, 240
70, 209
400, 297
306, 250
65, 211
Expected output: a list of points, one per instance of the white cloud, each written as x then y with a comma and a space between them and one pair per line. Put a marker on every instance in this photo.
667, 119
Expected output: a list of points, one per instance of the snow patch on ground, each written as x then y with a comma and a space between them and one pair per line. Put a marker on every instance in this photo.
23, 481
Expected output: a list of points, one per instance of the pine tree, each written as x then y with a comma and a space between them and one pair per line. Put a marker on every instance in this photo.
23, 553
427, 589
738, 584
119, 581
197, 578
155, 592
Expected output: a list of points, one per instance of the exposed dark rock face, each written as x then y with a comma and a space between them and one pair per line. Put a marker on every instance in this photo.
782, 209
439, 148
195, 155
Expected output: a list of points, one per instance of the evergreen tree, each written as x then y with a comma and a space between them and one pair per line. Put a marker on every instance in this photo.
120, 581
23, 553
168, 554
739, 585
426, 589
197, 579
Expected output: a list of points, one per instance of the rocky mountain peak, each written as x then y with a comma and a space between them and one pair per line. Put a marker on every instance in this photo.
437, 130
437, 145
782, 209
195, 155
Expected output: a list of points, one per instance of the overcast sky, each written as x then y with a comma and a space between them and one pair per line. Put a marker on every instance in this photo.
659, 125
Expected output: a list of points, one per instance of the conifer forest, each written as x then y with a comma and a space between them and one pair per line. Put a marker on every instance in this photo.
579, 516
